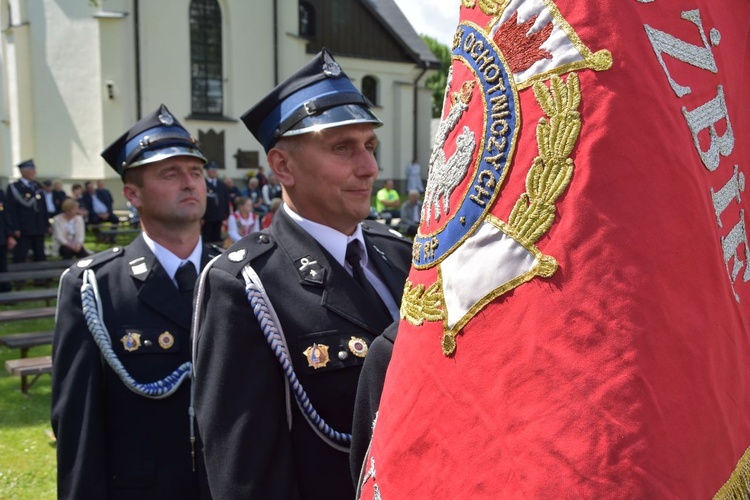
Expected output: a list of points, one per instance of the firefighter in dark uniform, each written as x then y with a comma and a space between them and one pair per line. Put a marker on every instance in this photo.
7, 240
29, 219
121, 351
284, 317
217, 204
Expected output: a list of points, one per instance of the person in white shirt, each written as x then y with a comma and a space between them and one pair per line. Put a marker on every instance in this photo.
242, 221
68, 231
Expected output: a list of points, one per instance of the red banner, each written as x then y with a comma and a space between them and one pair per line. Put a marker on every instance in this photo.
577, 319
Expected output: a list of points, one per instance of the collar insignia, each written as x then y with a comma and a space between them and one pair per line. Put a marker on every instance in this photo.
309, 270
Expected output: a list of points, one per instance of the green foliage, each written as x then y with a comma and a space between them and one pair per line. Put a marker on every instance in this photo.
437, 82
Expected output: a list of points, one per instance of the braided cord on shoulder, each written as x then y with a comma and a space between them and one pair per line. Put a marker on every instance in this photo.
91, 305
269, 325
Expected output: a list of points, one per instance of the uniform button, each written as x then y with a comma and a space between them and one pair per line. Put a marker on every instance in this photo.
263, 238
147, 343
343, 355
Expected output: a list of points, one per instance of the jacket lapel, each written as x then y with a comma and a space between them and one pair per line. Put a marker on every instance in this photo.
154, 286
392, 276
341, 294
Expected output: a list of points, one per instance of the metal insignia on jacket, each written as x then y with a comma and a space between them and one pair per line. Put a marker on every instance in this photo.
317, 355
358, 347
310, 270
131, 341
166, 340
84, 262
473, 244
237, 255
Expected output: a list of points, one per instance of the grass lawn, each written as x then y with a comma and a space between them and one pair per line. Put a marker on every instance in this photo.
27, 451
28, 469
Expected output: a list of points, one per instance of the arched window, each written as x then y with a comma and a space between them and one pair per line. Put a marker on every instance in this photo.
205, 57
370, 89
306, 20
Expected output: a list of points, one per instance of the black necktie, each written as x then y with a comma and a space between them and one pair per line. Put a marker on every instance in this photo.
353, 258
185, 278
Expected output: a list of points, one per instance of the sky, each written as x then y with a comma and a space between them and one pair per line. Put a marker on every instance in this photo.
434, 18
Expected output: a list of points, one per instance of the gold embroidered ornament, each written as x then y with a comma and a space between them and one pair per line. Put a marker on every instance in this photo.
478, 256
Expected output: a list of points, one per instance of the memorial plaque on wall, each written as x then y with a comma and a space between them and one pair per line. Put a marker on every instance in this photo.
247, 159
212, 145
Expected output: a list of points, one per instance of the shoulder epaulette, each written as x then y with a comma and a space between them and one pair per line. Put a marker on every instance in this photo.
380, 229
96, 260
253, 246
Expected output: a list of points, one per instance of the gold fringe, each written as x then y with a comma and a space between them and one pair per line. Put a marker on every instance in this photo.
738, 485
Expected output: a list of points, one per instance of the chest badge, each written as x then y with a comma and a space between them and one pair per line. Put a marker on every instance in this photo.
131, 341
358, 347
166, 340
317, 355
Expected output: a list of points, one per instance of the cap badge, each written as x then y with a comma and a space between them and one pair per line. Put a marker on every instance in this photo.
317, 355
358, 347
131, 341
166, 340
330, 67
166, 119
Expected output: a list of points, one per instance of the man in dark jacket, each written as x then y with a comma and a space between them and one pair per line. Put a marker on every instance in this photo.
98, 203
274, 397
29, 220
217, 204
121, 351
7, 240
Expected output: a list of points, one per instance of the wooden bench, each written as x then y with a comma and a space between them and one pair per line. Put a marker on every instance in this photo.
12, 298
25, 341
22, 366
37, 274
110, 235
26, 367
40, 265
21, 314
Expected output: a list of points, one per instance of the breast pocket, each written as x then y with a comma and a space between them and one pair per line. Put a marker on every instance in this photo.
326, 351
137, 341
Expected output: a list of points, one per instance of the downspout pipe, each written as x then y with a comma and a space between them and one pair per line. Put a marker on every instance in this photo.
275, 42
137, 49
416, 109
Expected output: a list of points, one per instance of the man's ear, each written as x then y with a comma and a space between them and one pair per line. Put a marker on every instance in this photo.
132, 194
279, 161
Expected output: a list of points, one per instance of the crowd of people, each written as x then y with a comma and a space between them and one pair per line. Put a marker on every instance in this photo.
33, 211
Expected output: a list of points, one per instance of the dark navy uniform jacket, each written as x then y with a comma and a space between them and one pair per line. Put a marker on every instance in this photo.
241, 405
30, 214
113, 443
217, 201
